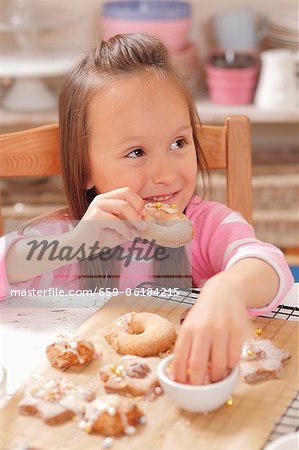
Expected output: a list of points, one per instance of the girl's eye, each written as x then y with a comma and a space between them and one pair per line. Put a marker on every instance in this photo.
136, 153
179, 143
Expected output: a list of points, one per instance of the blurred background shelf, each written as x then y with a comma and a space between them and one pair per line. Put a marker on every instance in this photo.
208, 112
211, 113
13, 121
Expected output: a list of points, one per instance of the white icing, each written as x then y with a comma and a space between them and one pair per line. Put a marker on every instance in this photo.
50, 384
107, 442
111, 411
55, 396
110, 404
73, 403
82, 424
264, 362
129, 430
73, 345
69, 344
142, 420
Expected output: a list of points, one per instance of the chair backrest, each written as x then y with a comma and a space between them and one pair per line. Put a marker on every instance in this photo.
35, 152
229, 147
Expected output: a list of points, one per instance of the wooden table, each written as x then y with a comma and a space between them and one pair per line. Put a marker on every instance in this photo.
25, 331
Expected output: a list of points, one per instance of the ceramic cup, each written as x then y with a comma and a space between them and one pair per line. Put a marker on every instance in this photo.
238, 29
231, 79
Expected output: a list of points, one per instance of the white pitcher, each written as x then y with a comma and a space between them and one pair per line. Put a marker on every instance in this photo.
277, 83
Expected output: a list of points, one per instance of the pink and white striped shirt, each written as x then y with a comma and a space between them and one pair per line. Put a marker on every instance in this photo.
222, 238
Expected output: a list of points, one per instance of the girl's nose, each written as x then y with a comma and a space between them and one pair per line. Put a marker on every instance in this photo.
161, 171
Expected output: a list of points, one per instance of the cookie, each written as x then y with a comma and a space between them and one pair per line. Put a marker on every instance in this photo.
54, 401
141, 334
112, 415
70, 351
261, 360
133, 375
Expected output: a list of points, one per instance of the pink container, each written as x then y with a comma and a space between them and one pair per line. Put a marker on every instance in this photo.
174, 33
168, 20
232, 85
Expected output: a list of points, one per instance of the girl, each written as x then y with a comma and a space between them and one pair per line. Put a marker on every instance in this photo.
127, 129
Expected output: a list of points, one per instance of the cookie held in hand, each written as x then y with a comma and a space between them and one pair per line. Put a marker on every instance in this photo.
167, 226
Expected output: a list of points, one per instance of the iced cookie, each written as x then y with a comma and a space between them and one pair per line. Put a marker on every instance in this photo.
133, 375
54, 401
69, 351
112, 415
261, 360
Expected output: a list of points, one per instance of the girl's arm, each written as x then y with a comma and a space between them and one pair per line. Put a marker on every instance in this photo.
215, 328
255, 280
111, 219
244, 276
30, 257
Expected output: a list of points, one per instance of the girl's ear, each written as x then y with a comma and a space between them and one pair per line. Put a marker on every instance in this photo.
89, 185
89, 182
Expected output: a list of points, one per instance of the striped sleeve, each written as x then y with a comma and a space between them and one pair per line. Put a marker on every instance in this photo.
57, 278
235, 240
223, 237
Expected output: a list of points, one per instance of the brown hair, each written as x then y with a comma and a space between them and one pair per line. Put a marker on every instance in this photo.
120, 56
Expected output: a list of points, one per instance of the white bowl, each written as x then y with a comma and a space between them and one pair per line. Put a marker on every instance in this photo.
197, 398
288, 441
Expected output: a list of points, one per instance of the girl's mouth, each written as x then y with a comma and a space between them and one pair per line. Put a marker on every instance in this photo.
160, 198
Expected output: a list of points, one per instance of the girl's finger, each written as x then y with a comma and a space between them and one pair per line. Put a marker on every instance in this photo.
181, 354
235, 345
110, 222
127, 194
219, 355
112, 238
199, 358
184, 315
123, 210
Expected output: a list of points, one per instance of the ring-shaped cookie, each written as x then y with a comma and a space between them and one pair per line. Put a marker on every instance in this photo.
167, 226
141, 334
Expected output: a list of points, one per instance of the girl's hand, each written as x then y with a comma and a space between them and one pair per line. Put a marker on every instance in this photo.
112, 218
212, 335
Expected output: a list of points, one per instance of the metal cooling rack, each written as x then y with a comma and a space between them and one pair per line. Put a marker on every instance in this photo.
289, 421
188, 296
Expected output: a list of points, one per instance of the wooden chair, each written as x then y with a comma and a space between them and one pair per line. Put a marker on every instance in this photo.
35, 152
229, 147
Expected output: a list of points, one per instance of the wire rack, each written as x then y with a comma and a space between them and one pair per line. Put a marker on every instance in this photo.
289, 420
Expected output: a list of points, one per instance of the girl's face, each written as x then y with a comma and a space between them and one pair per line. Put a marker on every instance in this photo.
141, 137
